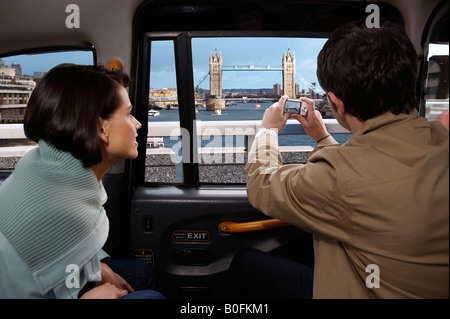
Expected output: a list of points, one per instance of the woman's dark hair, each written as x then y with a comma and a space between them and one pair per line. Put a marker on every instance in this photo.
372, 70
65, 107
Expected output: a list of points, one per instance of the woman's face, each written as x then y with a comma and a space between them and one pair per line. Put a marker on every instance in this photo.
119, 131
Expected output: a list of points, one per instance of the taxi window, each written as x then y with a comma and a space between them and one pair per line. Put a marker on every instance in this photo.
436, 92
236, 80
207, 143
163, 162
19, 75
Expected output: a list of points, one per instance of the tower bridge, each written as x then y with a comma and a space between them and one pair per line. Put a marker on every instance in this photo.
216, 68
215, 77
252, 68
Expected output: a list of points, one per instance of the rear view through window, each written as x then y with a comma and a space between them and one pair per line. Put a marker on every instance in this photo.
19, 75
235, 80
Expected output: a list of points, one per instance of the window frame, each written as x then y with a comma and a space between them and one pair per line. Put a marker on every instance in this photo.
178, 21
186, 98
430, 35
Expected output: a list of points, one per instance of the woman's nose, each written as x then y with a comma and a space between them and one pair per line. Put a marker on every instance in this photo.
137, 124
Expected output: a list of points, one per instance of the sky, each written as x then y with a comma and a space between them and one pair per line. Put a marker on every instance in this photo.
43, 62
238, 51
235, 51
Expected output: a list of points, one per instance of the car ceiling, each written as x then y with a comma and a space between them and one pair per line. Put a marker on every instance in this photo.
107, 25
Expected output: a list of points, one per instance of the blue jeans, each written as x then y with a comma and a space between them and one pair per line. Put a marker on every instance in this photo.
139, 274
258, 274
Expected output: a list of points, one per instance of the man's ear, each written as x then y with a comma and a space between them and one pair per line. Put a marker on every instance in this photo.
102, 130
338, 102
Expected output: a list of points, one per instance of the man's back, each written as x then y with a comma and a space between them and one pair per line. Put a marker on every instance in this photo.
397, 190
380, 200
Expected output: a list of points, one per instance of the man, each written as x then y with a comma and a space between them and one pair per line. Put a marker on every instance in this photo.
377, 206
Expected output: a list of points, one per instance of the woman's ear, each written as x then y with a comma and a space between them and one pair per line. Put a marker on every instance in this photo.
102, 130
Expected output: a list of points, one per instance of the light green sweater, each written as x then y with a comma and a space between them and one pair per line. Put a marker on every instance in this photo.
51, 216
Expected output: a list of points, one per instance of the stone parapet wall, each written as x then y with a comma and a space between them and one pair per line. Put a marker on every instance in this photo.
10, 155
229, 165
160, 165
223, 165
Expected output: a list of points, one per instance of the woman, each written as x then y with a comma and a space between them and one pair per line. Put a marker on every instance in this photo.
52, 223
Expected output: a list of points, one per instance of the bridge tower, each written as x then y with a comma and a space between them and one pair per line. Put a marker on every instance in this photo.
215, 74
289, 74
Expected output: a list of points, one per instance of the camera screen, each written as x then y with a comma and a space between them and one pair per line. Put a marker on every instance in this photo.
292, 106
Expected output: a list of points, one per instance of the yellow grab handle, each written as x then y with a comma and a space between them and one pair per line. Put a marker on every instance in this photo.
232, 227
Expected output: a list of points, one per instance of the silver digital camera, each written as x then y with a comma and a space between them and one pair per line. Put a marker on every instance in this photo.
296, 106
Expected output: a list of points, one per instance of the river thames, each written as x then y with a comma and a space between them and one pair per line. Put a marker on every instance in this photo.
239, 111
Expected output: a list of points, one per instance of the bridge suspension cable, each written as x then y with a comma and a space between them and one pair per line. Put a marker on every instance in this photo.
203, 79
312, 87
258, 68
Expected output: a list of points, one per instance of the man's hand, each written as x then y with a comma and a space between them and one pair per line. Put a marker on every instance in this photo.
109, 276
274, 118
313, 123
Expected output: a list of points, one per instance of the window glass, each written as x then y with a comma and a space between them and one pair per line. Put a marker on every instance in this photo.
436, 94
18, 77
164, 157
236, 80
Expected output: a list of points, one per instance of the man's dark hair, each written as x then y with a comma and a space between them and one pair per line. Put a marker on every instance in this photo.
65, 107
372, 70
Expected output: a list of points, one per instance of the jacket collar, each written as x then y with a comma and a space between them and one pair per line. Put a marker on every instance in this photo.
387, 119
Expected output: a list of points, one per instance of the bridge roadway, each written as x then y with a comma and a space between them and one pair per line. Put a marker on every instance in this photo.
226, 100
242, 100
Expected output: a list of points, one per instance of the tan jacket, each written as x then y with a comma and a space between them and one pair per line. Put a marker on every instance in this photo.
378, 204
